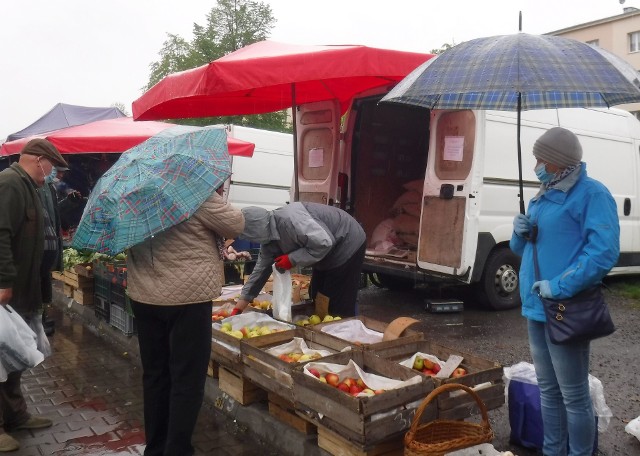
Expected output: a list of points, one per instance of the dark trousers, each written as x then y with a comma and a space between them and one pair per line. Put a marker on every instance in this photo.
340, 285
175, 347
13, 407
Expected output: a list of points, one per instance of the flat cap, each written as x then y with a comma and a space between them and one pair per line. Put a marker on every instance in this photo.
44, 148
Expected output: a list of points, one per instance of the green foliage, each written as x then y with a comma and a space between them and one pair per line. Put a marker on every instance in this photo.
71, 257
231, 25
442, 48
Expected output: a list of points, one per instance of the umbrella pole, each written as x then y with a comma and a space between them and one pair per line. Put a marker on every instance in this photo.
295, 142
520, 156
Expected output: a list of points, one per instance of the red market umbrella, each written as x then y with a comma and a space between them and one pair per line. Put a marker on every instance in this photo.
269, 76
110, 136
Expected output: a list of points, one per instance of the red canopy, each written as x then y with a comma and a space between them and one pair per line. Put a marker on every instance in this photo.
110, 136
258, 79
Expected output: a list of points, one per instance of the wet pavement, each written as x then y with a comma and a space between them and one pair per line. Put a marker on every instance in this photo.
92, 390
91, 386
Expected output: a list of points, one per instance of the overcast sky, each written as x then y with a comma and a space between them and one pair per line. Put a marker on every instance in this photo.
97, 53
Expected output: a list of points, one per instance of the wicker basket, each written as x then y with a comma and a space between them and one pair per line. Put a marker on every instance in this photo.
435, 438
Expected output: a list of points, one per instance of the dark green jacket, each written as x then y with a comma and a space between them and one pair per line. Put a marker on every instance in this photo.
21, 239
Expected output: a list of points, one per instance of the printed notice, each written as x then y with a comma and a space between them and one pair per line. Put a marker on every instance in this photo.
453, 148
316, 158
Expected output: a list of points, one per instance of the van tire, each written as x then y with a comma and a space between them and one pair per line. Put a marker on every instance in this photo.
391, 282
499, 286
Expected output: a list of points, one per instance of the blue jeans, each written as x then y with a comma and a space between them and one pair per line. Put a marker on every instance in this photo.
563, 378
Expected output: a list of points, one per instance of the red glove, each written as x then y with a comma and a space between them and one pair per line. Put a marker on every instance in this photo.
282, 262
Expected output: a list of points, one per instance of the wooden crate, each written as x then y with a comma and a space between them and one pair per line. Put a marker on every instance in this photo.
212, 369
274, 374
67, 290
75, 280
408, 335
81, 269
485, 374
284, 410
336, 445
83, 296
57, 275
239, 388
363, 421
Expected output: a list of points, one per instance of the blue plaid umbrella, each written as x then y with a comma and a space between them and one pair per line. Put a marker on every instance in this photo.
519, 72
152, 187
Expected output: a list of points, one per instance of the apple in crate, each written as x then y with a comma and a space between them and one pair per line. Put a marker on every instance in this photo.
332, 379
459, 372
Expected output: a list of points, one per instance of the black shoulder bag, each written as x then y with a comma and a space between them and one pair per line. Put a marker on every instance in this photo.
582, 317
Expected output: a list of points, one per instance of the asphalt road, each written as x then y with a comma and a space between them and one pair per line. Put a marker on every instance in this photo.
502, 337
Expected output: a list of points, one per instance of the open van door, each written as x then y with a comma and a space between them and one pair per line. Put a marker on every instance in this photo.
318, 132
450, 206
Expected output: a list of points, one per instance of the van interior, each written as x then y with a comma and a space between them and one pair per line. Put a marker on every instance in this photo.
389, 150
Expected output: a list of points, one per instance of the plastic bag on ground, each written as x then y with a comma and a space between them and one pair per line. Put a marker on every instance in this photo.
18, 346
282, 291
633, 427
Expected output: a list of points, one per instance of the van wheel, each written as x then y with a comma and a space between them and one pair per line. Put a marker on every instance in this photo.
499, 285
391, 282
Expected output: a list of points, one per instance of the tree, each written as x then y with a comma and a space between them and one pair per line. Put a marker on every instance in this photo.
121, 107
231, 25
442, 48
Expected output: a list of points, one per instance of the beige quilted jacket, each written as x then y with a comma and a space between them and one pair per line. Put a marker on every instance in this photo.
182, 265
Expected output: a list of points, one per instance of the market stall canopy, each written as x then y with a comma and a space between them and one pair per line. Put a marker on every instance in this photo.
66, 115
259, 78
111, 136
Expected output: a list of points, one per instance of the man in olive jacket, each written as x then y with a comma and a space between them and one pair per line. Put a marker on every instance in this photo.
22, 244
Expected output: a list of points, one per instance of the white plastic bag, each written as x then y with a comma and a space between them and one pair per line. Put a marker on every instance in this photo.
42, 341
18, 347
633, 427
282, 291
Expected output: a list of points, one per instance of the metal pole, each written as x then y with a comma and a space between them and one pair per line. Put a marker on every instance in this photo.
296, 195
520, 156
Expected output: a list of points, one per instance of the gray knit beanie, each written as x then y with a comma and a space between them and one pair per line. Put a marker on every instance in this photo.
559, 147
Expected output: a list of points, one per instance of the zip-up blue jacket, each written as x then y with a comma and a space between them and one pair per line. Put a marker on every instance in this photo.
578, 239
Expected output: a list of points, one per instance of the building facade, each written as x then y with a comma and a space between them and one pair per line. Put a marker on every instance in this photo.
618, 34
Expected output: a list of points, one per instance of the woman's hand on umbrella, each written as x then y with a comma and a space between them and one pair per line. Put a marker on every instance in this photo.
521, 225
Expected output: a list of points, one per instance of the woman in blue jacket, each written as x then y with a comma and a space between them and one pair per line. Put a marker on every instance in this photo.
574, 222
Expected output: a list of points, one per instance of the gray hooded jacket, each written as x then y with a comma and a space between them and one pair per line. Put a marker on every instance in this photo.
312, 234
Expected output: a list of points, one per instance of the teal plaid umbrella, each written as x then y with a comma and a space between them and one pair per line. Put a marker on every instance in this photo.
519, 72
152, 187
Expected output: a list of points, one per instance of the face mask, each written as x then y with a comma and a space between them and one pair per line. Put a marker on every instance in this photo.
51, 177
542, 174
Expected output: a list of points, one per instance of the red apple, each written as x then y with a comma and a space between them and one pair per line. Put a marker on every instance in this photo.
435, 368
349, 381
378, 391
354, 390
332, 379
428, 364
429, 372
361, 384
459, 372
314, 372
343, 387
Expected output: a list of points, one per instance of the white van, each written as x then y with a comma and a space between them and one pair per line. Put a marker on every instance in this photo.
464, 165
265, 179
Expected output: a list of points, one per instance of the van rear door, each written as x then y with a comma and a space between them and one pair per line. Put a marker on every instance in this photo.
318, 133
449, 221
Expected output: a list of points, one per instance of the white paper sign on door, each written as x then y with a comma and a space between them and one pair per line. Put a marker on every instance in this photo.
316, 157
453, 148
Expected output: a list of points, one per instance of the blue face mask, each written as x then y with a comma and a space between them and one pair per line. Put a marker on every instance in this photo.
50, 178
542, 174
